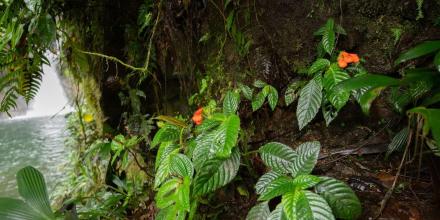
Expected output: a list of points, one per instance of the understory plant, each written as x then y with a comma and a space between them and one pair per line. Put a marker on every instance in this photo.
415, 93
192, 162
325, 72
303, 195
34, 205
266, 92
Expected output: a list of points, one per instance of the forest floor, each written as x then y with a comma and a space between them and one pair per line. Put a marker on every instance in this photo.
353, 150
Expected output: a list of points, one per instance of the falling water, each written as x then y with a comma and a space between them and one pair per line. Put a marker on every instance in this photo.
37, 138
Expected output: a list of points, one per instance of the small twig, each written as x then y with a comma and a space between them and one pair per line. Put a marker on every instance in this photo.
150, 43
387, 196
114, 59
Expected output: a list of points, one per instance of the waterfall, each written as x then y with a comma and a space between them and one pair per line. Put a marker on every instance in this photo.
51, 98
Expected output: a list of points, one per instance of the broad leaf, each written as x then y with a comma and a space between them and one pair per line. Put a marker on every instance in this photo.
207, 125
278, 213
307, 157
309, 101
278, 156
420, 50
230, 103
292, 92
328, 111
265, 180
296, 205
166, 195
367, 99
217, 173
272, 97
367, 80
163, 163
332, 77
259, 84
15, 209
258, 100
181, 165
259, 212
166, 133
246, 91
433, 119
277, 187
398, 141
46, 29
174, 192
328, 37
343, 201
206, 146
320, 208
32, 188
305, 181
433, 146
317, 66
230, 127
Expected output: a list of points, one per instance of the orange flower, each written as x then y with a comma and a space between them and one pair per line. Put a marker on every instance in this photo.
342, 63
198, 117
345, 58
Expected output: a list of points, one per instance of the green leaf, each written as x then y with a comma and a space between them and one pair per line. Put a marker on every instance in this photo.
230, 128
166, 195
433, 146
277, 156
277, 187
217, 173
278, 213
265, 180
367, 99
309, 101
181, 165
167, 133
332, 77
174, 192
259, 84
46, 29
292, 92
246, 91
320, 208
170, 213
328, 37
437, 61
328, 111
183, 195
230, 103
398, 142
32, 188
259, 212
431, 99
207, 125
317, 66
342, 200
307, 157
367, 80
420, 50
272, 97
433, 119
305, 181
206, 146
296, 205
163, 162
15, 209
258, 100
